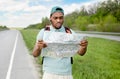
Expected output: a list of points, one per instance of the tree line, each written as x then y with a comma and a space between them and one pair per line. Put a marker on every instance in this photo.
104, 16
3, 27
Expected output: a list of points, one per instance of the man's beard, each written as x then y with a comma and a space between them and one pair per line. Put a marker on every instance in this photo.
56, 26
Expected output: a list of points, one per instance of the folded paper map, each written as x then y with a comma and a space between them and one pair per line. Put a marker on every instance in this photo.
61, 44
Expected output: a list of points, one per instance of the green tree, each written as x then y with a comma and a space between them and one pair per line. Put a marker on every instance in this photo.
69, 19
81, 23
45, 21
109, 20
83, 12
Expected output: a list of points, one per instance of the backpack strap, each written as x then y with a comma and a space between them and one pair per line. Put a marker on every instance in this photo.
47, 28
67, 30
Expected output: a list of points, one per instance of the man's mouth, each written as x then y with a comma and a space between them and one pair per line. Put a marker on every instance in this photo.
58, 24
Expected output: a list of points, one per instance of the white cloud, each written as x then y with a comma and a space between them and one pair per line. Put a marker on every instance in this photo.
11, 5
28, 15
71, 8
35, 8
23, 20
21, 14
53, 0
76, 6
48, 0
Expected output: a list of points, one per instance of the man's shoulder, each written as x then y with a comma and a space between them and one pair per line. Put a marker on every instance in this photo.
42, 30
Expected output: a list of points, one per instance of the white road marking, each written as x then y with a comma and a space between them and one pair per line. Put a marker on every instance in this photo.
12, 58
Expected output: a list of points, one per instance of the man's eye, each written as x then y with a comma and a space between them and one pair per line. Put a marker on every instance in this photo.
58, 18
61, 17
55, 17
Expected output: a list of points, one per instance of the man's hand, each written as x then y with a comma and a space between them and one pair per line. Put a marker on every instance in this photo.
40, 44
83, 47
84, 44
38, 47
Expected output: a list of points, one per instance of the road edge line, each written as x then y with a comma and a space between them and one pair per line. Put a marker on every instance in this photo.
11, 59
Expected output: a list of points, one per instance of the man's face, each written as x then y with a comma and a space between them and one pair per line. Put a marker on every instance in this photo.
57, 19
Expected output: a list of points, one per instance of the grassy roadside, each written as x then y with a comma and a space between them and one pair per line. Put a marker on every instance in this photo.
102, 60
29, 37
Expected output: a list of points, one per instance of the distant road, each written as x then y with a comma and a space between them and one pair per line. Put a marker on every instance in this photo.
95, 32
15, 62
105, 35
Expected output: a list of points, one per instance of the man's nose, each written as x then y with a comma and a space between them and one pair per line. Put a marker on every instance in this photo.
58, 20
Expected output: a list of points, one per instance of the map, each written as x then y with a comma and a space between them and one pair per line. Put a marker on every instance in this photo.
61, 44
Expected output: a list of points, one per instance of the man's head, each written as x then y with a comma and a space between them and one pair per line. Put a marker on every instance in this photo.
57, 17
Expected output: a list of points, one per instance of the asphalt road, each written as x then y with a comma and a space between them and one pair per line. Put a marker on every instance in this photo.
15, 61
110, 37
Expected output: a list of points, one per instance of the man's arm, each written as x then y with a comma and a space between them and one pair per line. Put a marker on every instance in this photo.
38, 47
83, 47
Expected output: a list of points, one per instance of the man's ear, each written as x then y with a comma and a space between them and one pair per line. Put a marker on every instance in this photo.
50, 19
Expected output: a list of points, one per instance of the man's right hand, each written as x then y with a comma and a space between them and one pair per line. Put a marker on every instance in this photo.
41, 44
38, 47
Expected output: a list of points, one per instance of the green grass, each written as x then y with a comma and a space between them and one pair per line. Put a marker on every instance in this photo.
29, 37
102, 60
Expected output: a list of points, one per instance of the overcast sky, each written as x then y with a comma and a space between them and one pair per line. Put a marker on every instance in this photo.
21, 13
